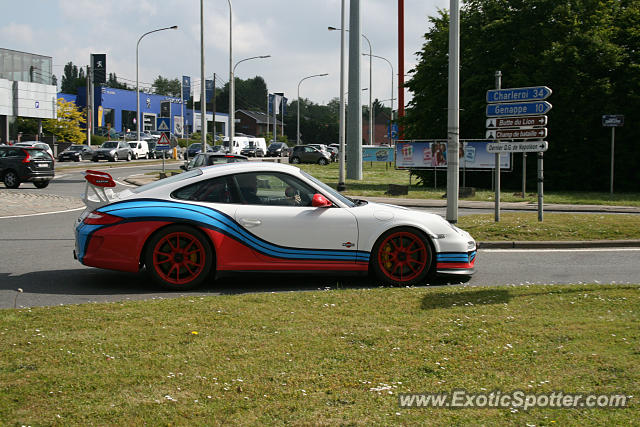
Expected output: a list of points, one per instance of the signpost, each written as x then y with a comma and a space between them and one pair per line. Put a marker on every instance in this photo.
519, 114
613, 121
164, 143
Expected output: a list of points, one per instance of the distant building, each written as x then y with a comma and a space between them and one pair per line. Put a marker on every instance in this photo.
255, 122
25, 90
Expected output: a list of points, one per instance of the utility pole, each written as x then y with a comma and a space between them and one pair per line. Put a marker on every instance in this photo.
496, 161
453, 126
354, 108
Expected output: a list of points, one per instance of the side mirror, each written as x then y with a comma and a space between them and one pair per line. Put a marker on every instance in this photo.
319, 201
183, 167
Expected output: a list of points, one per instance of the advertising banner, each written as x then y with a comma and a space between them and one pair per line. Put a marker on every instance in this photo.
433, 154
377, 154
186, 87
208, 90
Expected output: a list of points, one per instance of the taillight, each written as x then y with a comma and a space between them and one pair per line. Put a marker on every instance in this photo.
27, 157
101, 218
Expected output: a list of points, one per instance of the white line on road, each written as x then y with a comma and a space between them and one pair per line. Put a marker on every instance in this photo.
42, 213
562, 250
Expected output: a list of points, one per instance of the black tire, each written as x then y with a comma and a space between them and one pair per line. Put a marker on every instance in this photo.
165, 257
41, 184
403, 257
128, 156
94, 159
77, 159
295, 160
135, 157
115, 157
322, 161
11, 179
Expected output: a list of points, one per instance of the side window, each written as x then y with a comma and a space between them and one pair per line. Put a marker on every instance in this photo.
215, 190
273, 189
3, 153
199, 161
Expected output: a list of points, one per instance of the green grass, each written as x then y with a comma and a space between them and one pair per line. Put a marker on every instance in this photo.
320, 358
378, 176
555, 226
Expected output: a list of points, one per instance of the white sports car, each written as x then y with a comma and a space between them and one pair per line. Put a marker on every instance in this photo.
260, 217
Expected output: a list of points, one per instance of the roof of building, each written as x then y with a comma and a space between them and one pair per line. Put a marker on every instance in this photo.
259, 116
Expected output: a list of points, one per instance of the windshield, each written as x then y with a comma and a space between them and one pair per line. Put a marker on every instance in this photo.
110, 144
170, 180
347, 201
195, 146
75, 148
275, 145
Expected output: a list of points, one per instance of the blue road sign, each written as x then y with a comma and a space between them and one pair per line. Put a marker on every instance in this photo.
518, 94
163, 124
518, 109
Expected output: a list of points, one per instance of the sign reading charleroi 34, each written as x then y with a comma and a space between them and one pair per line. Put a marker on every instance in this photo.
517, 147
537, 93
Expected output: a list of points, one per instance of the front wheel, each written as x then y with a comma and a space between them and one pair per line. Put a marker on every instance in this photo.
11, 180
402, 256
322, 161
41, 184
179, 257
128, 157
295, 160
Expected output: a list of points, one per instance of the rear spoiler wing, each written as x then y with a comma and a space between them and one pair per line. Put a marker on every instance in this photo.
100, 184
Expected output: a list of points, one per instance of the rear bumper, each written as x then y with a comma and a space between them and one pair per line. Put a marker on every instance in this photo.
38, 176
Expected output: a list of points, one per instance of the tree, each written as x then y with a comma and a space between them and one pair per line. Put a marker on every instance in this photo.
250, 94
72, 79
68, 125
163, 86
113, 82
586, 51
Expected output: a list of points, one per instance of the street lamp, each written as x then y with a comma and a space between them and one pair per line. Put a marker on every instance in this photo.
232, 100
391, 65
175, 27
232, 83
370, 90
298, 120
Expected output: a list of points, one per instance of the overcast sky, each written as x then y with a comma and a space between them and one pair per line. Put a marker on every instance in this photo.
293, 32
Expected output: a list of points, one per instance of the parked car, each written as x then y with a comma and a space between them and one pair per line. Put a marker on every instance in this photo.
309, 154
208, 159
21, 164
328, 149
261, 217
75, 153
252, 151
278, 149
140, 149
154, 153
113, 151
194, 149
44, 146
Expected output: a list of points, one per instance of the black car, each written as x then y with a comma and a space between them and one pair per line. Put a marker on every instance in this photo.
208, 159
75, 153
277, 149
21, 164
194, 149
252, 152
154, 153
113, 151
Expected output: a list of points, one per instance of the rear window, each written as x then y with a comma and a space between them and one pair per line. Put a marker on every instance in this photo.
37, 153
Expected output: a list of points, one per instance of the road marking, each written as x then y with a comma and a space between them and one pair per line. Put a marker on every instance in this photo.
43, 213
562, 250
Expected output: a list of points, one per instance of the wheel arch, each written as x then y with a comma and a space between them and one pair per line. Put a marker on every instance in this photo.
429, 237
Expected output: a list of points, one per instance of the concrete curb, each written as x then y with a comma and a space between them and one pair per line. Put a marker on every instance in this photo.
573, 244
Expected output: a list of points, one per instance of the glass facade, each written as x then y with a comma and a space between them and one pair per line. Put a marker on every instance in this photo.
25, 67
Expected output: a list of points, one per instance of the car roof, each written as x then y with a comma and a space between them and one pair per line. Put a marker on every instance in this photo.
239, 167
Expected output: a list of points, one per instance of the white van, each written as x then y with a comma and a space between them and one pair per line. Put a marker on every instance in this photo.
140, 149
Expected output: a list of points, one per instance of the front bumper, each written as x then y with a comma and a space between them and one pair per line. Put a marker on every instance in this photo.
459, 263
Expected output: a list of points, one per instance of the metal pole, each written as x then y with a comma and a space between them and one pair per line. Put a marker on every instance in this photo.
354, 131
298, 119
498, 76
400, 65
453, 126
524, 174
341, 133
371, 136
540, 186
213, 108
391, 115
613, 138
182, 108
267, 111
88, 106
232, 83
203, 83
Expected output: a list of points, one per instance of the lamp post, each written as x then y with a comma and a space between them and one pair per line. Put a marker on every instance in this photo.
370, 90
174, 27
298, 104
391, 65
232, 83
232, 97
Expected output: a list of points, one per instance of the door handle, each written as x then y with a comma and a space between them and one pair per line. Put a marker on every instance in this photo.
250, 222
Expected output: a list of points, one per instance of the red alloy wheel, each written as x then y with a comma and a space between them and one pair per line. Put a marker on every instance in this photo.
179, 258
403, 256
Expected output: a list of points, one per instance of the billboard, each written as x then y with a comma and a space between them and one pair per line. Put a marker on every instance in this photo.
99, 66
377, 154
186, 87
473, 154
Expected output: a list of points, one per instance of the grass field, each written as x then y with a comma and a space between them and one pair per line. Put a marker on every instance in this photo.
321, 358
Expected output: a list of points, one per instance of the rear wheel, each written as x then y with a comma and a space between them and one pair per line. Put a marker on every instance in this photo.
295, 160
402, 256
11, 179
115, 157
322, 161
179, 257
128, 156
41, 184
